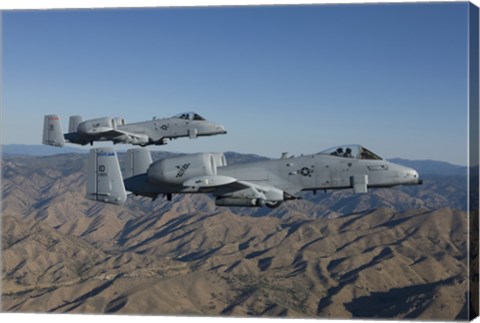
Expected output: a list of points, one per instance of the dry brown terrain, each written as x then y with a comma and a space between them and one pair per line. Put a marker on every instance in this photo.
62, 253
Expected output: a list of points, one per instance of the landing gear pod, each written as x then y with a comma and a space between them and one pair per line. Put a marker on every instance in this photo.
359, 183
192, 133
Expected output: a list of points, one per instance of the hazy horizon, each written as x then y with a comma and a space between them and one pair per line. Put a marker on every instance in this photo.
123, 148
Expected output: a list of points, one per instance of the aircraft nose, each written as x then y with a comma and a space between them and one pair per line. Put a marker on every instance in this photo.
417, 177
413, 176
221, 129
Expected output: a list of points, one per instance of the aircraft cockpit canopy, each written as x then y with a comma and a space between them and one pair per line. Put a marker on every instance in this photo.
351, 151
190, 116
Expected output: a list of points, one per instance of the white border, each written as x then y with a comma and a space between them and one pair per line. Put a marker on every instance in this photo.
71, 4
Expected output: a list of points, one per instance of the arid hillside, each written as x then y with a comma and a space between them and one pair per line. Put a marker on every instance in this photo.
398, 253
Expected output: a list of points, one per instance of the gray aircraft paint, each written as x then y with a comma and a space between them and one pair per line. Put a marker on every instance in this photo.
254, 184
104, 182
52, 131
152, 132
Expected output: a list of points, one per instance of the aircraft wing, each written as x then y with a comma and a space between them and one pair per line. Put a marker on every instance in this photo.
115, 135
217, 182
123, 136
226, 185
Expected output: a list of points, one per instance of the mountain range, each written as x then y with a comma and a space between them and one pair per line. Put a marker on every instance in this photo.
423, 166
38, 150
390, 253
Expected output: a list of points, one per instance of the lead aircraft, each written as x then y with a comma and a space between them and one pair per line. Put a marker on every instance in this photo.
264, 183
152, 132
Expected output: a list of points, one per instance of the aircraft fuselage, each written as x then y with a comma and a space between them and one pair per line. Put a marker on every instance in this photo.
151, 132
303, 173
318, 172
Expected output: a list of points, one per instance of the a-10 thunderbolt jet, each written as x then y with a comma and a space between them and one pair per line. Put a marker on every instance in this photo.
152, 132
263, 183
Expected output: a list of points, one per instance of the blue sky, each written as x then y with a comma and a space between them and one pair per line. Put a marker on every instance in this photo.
290, 78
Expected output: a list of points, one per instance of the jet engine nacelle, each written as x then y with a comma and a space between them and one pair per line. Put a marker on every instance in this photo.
95, 126
176, 170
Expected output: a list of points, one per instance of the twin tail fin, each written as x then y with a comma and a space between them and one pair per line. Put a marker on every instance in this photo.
104, 179
52, 131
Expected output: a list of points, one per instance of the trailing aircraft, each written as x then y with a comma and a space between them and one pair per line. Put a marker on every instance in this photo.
152, 132
263, 183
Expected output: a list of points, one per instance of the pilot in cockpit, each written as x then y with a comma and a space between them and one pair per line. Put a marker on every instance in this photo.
338, 152
348, 153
